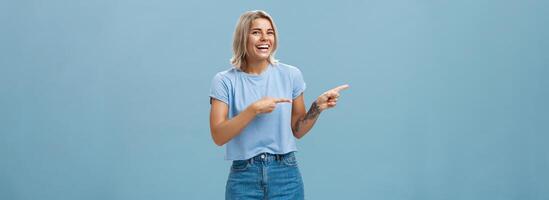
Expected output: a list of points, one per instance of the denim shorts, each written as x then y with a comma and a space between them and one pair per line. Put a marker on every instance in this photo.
265, 176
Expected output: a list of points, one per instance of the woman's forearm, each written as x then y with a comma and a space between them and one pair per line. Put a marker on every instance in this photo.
228, 129
305, 123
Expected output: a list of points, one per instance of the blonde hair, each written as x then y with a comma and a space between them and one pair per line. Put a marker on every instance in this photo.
240, 37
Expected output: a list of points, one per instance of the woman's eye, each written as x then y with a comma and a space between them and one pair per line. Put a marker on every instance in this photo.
270, 33
255, 32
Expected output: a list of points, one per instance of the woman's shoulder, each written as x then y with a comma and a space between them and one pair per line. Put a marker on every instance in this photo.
226, 76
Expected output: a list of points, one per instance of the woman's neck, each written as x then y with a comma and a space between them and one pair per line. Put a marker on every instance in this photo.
255, 67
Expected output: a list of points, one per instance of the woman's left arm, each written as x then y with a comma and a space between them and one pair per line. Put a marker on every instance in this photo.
303, 122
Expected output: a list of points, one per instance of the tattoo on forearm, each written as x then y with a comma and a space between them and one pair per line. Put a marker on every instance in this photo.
313, 113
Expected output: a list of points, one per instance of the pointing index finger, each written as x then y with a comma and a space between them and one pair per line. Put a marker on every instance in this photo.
282, 100
341, 87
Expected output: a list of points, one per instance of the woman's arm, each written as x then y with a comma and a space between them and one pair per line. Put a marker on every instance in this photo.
224, 129
221, 128
303, 122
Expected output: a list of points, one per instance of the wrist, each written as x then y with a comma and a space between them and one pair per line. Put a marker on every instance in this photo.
315, 106
253, 109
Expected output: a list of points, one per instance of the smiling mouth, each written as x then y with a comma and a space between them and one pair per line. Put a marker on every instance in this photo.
263, 47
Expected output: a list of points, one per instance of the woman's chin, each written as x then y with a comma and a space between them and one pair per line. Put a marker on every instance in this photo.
261, 57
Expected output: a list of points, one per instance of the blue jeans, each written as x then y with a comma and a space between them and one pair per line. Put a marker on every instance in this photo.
265, 176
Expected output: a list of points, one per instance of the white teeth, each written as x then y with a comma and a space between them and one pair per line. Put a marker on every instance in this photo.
263, 46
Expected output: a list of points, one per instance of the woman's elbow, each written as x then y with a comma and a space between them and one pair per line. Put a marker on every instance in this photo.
297, 135
218, 141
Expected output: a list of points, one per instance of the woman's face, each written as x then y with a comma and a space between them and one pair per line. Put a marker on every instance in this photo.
260, 39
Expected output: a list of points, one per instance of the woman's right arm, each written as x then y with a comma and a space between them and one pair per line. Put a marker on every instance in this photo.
224, 129
221, 127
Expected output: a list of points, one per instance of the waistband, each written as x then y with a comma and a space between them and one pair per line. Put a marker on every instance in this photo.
270, 157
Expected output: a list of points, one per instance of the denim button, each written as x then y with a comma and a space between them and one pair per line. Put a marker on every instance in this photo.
262, 156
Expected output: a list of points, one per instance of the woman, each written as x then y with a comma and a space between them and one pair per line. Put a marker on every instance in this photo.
257, 110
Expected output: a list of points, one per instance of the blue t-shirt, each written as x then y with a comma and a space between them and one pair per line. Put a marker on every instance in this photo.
269, 132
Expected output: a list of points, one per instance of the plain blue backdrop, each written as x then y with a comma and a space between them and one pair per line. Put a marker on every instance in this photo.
109, 99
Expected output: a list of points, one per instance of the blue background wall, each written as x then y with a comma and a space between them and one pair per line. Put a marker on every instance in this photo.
109, 99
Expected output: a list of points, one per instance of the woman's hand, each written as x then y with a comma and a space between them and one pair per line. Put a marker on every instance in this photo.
268, 104
329, 98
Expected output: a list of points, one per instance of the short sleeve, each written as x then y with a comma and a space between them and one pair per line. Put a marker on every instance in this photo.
219, 88
298, 83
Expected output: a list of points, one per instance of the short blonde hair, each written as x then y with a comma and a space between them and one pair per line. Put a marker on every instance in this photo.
240, 37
